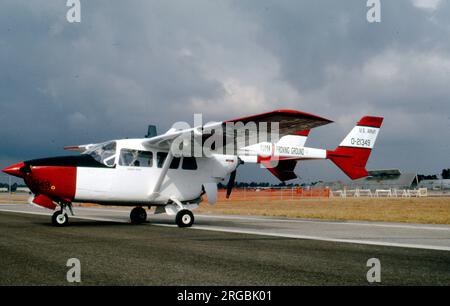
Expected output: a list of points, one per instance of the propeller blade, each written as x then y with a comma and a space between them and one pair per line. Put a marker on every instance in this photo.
231, 183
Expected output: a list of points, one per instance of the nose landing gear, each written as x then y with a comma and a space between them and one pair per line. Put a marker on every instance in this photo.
60, 218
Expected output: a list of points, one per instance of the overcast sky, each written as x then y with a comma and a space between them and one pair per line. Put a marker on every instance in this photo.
131, 63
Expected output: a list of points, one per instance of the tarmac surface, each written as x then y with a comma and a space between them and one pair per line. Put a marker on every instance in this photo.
217, 250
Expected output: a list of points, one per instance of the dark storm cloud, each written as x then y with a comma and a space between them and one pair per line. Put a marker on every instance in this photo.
309, 36
343, 67
130, 63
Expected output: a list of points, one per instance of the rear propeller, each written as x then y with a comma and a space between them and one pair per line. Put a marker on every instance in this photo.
230, 184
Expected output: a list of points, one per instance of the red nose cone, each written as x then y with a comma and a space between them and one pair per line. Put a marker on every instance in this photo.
15, 170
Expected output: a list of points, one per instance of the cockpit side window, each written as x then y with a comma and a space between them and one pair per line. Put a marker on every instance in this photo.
135, 158
104, 153
161, 158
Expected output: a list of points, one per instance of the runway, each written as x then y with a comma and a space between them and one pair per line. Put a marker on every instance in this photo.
433, 237
217, 250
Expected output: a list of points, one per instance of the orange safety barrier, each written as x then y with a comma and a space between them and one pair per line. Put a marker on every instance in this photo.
274, 193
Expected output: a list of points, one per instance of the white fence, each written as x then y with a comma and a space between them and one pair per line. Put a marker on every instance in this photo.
380, 193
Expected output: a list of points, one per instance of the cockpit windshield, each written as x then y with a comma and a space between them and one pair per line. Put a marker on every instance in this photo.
104, 153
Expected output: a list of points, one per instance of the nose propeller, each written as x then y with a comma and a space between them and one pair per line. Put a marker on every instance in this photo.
18, 170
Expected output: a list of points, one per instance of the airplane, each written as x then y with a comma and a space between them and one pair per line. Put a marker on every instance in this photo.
148, 172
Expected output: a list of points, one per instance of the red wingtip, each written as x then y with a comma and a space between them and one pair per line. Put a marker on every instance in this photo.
303, 133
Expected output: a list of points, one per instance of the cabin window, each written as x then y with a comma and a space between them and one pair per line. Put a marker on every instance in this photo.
189, 163
161, 157
175, 163
135, 158
104, 153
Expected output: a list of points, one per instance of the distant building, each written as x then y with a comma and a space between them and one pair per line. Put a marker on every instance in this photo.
378, 179
16, 189
435, 184
23, 189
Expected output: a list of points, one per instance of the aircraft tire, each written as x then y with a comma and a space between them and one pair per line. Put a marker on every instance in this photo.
184, 218
60, 218
138, 215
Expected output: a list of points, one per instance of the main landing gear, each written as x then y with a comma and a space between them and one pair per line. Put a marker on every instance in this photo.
182, 212
184, 218
138, 215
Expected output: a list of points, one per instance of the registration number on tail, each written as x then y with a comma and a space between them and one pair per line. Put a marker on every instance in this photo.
360, 142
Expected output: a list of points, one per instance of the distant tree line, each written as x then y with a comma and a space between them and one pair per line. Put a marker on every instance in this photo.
13, 186
422, 177
445, 174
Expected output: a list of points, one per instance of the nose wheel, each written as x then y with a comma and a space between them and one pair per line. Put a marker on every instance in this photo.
138, 215
184, 218
60, 218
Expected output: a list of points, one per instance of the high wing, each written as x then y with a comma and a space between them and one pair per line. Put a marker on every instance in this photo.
289, 122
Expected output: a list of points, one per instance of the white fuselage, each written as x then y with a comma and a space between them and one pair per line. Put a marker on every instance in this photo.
120, 182
131, 184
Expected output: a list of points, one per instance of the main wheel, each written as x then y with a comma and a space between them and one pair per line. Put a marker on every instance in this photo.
138, 215
184, 218
60, 218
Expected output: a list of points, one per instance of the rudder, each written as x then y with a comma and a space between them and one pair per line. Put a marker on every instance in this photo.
354, 151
